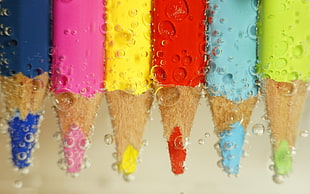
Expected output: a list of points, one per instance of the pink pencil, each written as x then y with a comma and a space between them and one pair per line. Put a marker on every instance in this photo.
77, 74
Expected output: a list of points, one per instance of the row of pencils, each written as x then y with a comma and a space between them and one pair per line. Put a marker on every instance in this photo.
135, 50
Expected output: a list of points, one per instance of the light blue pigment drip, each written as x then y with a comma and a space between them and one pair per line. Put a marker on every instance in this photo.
231, 143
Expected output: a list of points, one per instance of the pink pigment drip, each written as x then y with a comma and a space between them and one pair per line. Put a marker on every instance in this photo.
75, 145
78, 46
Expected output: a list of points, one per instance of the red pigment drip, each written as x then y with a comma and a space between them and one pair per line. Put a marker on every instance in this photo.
178, 33
176, 151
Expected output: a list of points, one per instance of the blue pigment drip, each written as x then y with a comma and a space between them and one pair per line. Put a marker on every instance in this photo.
231, 143
23, 136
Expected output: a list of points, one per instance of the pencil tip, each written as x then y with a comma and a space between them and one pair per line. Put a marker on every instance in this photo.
177, 151
75, 144
231, 143
282, 158
23, 134
129, 160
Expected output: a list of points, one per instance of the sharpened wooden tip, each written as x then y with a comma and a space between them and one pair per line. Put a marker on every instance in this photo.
226, 112
178, 106
129, 114
74, 109
284, 102
24, 94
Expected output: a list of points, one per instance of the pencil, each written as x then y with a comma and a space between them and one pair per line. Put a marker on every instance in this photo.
127, 77
284, 66
231, 79
178, 67
24, 66
77, 74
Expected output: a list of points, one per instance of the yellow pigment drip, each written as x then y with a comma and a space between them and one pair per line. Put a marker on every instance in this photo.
129, 160
128, 46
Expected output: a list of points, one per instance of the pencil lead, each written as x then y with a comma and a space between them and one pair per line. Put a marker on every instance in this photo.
23, 134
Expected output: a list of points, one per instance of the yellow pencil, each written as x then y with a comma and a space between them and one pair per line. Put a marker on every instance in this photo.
127, 80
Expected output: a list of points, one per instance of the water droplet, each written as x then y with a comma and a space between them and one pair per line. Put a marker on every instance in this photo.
29, 137
229, 145
304, 133
18, 184
177, 10
145, 143
115, 166
132, 12
128, 177
179, 74
62, 164
219, 164
120, 53
69, 142
166, 29
298, 51
109, 139
201, 141
279, 179
258, 129
207, 134
64, 101
178, 142
21, 156
168, 96
57, 136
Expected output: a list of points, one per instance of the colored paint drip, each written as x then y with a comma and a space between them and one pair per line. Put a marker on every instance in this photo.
177, 151
129, 161
232, 49
283, 158
23, 134
231, 143
75, 143
179, 42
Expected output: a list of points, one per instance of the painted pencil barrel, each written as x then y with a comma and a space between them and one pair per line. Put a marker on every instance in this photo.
78, 47
232, 49
284, 40
24, 37
128, 46
179, 42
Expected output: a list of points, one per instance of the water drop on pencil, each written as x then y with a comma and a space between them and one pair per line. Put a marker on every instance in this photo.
108, 139
304, 133
279, 179
207, 134
18, 184
128, 177
145, 143
115, 166
271, 167
258, 129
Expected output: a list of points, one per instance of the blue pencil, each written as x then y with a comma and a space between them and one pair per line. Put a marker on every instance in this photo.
231, 78
24, 66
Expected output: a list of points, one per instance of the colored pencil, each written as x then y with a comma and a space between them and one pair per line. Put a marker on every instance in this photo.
127, 81
284, 65
179, 64
231, 79
24, 66
77, 74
